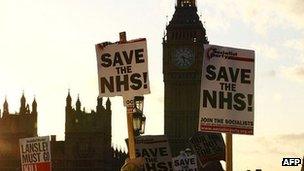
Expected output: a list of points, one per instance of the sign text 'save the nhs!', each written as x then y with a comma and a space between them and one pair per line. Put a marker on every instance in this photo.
123, 69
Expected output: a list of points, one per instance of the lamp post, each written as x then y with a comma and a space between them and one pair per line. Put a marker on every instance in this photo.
139, 119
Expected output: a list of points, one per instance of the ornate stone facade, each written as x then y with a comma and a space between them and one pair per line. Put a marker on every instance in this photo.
12, 128
87, 145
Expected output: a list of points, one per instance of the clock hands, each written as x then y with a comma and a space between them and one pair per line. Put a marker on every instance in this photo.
183, 58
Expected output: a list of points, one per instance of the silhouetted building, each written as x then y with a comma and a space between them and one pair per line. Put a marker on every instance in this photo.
88, 138
12, 128
87, 145
182, 69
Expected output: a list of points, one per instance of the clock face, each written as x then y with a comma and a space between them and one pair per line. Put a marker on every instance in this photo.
183, 57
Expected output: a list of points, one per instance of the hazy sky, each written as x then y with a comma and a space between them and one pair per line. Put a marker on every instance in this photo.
47, 47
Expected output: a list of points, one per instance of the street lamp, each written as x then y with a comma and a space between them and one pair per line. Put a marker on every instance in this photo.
139, 119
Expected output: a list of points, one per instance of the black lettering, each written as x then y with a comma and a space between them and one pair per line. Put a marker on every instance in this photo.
162, 166
223, 100
222, 74
234, 75
135, 79
127, 57
145, 153
182, 162
106, 59
25, 158
207, 97
192, 161
104, 83
31, 158
124, 83
117, 59
240, 103
245, 73
153, 152
163, 151
210, 71
36, 147
139, 56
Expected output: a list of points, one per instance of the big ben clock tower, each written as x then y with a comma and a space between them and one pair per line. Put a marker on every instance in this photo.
182, 67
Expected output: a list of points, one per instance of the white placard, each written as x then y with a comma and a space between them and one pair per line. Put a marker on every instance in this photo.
184, 163
156, 152
35, 153
123, 69
227, 90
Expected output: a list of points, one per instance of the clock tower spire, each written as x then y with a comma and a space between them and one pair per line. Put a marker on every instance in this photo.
182, 67
186, 3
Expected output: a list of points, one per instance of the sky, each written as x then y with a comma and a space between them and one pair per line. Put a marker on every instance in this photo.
48, 47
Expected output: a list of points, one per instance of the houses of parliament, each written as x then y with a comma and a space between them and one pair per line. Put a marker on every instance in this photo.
87, 145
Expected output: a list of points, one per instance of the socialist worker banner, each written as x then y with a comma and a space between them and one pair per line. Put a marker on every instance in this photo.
35, 154
227, 90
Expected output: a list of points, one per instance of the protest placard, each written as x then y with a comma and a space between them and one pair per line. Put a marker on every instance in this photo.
208, 146
227, 90
183, 162
156, 152
123, 68
35, 154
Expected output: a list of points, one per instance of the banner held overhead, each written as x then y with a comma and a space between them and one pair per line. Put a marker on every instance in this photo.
227, 90
123, 68
123, 71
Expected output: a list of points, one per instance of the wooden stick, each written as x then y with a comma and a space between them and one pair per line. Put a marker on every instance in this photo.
131, 149
229, 166
131, 137
123, 37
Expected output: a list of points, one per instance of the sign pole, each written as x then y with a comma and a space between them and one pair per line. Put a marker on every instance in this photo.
229, 152
125, 60
131, 137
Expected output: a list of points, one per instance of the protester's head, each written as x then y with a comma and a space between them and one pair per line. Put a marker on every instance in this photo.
213, 165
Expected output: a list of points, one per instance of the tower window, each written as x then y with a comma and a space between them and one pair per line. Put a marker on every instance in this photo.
187, 3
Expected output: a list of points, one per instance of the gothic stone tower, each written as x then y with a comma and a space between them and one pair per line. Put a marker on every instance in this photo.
182, 66
12, 128
88, 137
